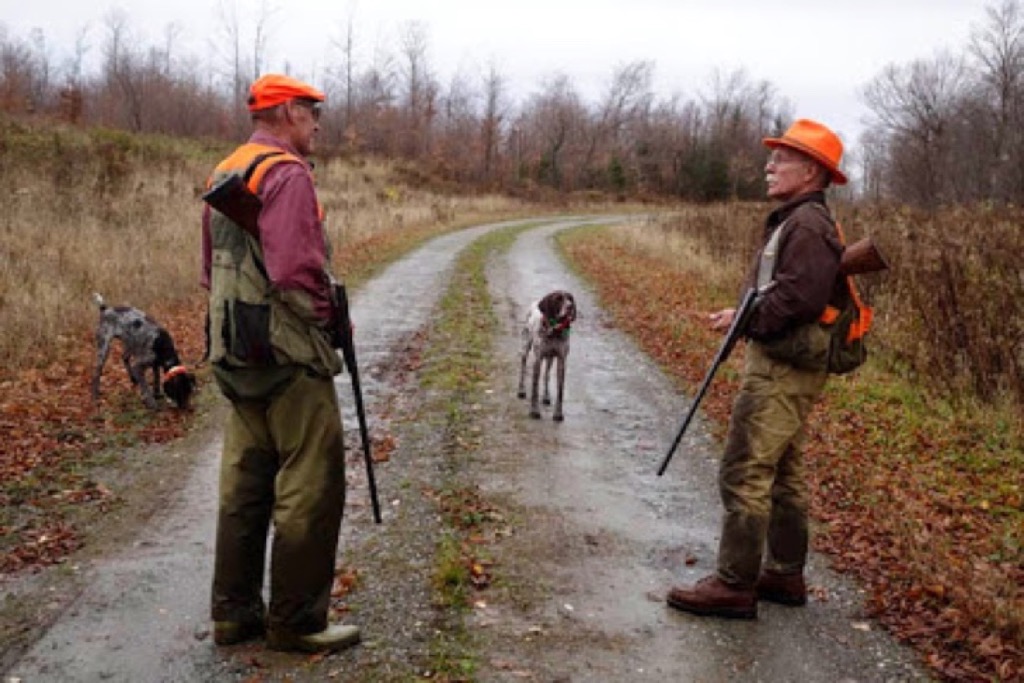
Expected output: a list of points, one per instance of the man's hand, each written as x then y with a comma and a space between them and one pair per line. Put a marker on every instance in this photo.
721, 320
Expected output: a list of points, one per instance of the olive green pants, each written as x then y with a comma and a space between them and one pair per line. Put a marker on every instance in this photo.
282, 463
761, 478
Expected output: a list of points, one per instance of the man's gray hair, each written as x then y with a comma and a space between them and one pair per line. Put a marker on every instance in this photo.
269, 115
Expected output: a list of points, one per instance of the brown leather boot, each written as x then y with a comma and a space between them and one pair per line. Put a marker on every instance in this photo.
785, 589
714, 598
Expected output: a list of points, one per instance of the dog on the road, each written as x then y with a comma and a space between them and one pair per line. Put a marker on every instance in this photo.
546, 335
146, 346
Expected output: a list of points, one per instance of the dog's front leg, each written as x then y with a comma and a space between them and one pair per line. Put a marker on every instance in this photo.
157, 391
521, 393
137, 373
127, 360
102, 351
534, 407
560, 388
547, 380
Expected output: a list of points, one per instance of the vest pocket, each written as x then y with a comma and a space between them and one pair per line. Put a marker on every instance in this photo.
804, 348
250, 341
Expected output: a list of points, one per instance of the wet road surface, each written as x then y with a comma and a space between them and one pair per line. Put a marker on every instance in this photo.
599, 534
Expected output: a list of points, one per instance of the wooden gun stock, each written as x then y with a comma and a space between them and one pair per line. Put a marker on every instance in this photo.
233, 199
862, 257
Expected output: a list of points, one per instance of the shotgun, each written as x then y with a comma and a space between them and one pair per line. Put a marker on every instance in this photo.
858, 258
343, 339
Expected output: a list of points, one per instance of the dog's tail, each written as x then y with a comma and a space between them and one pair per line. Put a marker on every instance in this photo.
99, 301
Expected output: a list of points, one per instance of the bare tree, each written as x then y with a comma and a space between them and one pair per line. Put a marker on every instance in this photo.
626, 103
228, 46
77, 59
40, 83
872, 165
494, 108
345, 74
459, 140
15, 73
71, 106
554, 124
376, 88
262, 37
123, 77
420, 89
736, 112
916, 106
997, 48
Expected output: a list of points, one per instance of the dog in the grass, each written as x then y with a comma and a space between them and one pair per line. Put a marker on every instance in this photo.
546, 336
147, 346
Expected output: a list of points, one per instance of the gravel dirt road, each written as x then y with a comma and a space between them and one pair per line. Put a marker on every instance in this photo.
591, 538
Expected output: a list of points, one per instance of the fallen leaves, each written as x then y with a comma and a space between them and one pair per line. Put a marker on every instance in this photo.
50, 543
52, 435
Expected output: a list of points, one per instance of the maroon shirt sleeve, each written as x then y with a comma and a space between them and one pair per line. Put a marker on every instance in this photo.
291, 234
204, 276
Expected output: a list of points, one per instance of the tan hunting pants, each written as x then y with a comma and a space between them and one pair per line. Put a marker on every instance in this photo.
282, 463
761, 477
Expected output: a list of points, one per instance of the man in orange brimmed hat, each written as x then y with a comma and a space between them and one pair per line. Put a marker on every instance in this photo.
763, 546
269, 336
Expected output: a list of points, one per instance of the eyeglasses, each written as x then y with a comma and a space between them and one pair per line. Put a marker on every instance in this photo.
313, 106
780, 158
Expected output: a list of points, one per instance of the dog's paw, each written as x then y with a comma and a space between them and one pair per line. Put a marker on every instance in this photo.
535, 414
521, 394
558, 417
546, 401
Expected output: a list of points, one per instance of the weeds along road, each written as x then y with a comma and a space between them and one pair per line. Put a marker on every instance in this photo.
577, 537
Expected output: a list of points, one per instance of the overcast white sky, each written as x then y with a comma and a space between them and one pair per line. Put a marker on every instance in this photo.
819, 54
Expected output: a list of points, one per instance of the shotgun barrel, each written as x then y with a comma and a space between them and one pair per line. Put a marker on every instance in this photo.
343, 329
739, 323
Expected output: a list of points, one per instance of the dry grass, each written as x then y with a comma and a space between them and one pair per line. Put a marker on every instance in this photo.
105, 212
95, 212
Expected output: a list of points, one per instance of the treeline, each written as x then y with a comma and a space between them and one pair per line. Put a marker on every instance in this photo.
950, 129
468, 129
946, 129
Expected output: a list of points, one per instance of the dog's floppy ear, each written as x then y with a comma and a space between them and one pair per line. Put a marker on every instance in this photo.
551, 304
572, 303
180, 386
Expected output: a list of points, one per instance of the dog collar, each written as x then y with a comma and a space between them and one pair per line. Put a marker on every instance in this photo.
561, 327
175, 371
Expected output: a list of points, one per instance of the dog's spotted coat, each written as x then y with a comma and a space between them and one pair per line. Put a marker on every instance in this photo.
546, 335
147, 346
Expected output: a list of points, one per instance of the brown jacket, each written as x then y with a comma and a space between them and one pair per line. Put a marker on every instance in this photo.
806, 269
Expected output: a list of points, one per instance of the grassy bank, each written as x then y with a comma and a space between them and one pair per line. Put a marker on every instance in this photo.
454, 376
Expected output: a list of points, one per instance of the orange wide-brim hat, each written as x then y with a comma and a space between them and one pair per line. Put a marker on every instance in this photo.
816, 141
274, 89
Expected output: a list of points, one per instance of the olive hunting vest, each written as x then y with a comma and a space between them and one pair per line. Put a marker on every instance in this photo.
251, 326
835, 342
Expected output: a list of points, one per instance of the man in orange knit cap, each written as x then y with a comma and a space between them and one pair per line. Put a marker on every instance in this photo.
763, 547
270, 346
